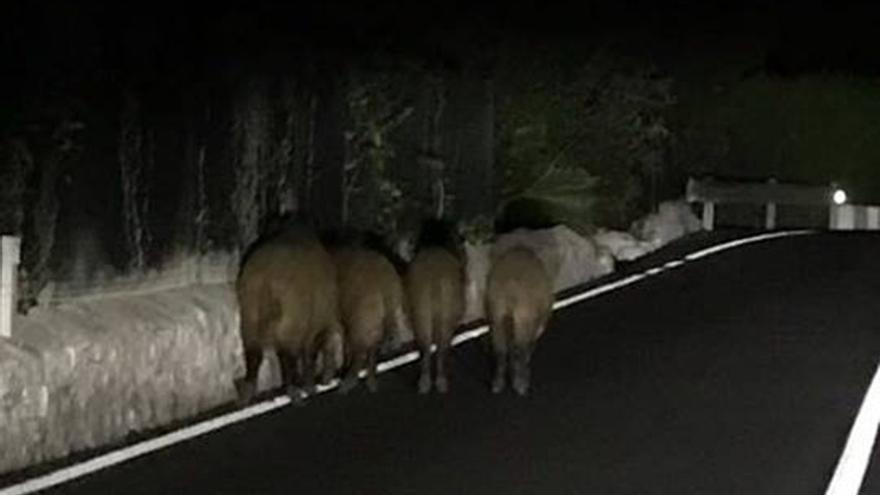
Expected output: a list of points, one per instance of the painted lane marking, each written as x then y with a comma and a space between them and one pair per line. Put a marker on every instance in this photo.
853, 463
673, 264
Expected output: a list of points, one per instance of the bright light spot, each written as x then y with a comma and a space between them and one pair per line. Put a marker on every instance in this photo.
839, 197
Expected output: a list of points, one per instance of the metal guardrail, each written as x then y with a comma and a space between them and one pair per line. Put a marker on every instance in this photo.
854, 217
711, 192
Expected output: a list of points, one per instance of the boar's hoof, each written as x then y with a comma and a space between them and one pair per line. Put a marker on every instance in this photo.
442, 384
497, 386
246, 390
297, 395
521, 387
372, 385
347, 385
424, 384
326, 377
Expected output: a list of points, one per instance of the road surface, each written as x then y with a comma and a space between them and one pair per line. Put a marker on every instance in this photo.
738, 373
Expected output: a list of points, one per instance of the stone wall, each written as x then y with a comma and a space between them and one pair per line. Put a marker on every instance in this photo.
85, 374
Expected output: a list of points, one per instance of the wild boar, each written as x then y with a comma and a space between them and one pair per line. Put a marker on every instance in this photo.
434, 284
519, 301
371, 303
288, 301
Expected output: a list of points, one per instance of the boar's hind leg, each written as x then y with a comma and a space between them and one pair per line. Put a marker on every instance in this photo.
331, 347
521, 369
325, 358
308, 372
500, 332
424, 336
292, 369
356, 364
372, 384
499, 350
498, 381
287, 366
297, 364
443, 344
424, 385
246, 387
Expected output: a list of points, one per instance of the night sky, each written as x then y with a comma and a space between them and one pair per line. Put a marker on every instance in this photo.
77, 38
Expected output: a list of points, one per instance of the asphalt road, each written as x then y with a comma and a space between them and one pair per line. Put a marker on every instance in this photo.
739, 373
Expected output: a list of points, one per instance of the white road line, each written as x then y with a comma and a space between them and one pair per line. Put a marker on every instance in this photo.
144, 447
673, 264
598, 291
740, 242
470, 334
850, 471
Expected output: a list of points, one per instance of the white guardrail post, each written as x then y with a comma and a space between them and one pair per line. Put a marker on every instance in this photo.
9, 259
770, 211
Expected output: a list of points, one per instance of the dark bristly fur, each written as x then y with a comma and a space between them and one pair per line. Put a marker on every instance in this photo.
287, 297
371, 307
519, 299
435, 289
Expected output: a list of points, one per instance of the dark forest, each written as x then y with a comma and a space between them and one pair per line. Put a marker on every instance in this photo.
133, 135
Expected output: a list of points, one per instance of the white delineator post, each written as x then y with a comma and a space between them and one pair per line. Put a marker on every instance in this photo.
9, 258
770, 211
770, 217
708, 215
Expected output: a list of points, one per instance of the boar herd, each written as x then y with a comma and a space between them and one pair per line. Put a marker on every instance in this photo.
329, 306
